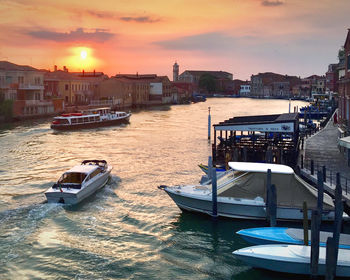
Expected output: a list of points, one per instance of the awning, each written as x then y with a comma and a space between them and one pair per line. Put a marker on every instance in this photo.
345, 142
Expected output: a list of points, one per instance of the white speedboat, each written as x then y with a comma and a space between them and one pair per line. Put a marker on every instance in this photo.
89, 119
79, 182
291, 259
241, 193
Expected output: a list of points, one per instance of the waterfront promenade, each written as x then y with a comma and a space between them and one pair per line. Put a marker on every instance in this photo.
322, 148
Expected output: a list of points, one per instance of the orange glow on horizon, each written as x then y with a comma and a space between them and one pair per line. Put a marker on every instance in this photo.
82, 58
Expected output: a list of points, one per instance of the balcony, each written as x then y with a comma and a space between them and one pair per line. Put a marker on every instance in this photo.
37, 103
30, 87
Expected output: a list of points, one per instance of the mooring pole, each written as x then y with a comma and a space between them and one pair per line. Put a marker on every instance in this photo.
320, 192
305, 224
331, 262
289, 106
210, 167
209, 123
338, 214
315, 243
268, 195
273, 205
333, 242
214, 194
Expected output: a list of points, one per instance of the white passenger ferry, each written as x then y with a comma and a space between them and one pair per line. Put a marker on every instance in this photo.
89, 118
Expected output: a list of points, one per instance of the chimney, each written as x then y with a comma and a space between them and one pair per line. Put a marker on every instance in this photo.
94, 72
64, 68
55, 68
83, 72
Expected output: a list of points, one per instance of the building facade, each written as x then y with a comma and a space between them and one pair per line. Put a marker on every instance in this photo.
273, 85
24, 85
344, 89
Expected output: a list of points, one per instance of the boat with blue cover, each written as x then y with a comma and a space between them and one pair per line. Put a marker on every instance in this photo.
284, 235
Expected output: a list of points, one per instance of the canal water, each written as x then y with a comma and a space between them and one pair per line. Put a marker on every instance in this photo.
130, 229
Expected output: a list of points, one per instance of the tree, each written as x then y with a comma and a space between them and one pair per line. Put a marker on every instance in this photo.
207, 82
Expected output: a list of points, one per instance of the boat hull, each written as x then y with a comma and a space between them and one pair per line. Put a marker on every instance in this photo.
236, 208
73, 196
294, 259
90, 125
281, 235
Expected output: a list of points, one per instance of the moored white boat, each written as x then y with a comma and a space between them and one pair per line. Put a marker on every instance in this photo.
291, 259
89, 119
283, 235
241, 193
79, 182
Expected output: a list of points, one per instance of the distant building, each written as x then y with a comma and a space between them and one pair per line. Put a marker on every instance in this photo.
344, 90
236, 87
72, 88
24, 85
175, 72
115, 92
137, 90
184, 91
244, 89
274, 85
223, 80
93, 78
332, 78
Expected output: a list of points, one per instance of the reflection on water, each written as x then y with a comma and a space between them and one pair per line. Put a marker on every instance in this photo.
129, 229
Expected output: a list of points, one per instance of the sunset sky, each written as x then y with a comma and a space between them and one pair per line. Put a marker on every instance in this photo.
244, 37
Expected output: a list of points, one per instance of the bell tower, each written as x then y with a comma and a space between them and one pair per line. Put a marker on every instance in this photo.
175, 72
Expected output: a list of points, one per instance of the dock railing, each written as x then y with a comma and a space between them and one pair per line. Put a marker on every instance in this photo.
329, 175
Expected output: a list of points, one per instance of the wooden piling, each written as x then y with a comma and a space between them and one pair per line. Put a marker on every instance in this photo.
324, 173
214, 194
305, 224
272, 206
320, 192
315, 243
312, 167
302, 161
210, 167
331, 262
209, 123
338, 215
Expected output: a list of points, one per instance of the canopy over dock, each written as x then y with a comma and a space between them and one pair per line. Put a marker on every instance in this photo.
263, 138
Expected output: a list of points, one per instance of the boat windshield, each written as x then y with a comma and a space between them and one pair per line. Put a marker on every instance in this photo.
72, 178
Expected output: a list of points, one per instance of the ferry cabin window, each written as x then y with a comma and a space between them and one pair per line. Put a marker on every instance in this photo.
86, 119
74, 120
79, 120
91, 119
64, 121
72, 178
97, 118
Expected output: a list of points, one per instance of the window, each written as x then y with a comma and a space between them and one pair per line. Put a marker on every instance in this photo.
72, 178
95, 173
66, 87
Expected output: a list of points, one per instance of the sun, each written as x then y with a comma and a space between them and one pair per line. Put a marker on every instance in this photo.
83, 54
